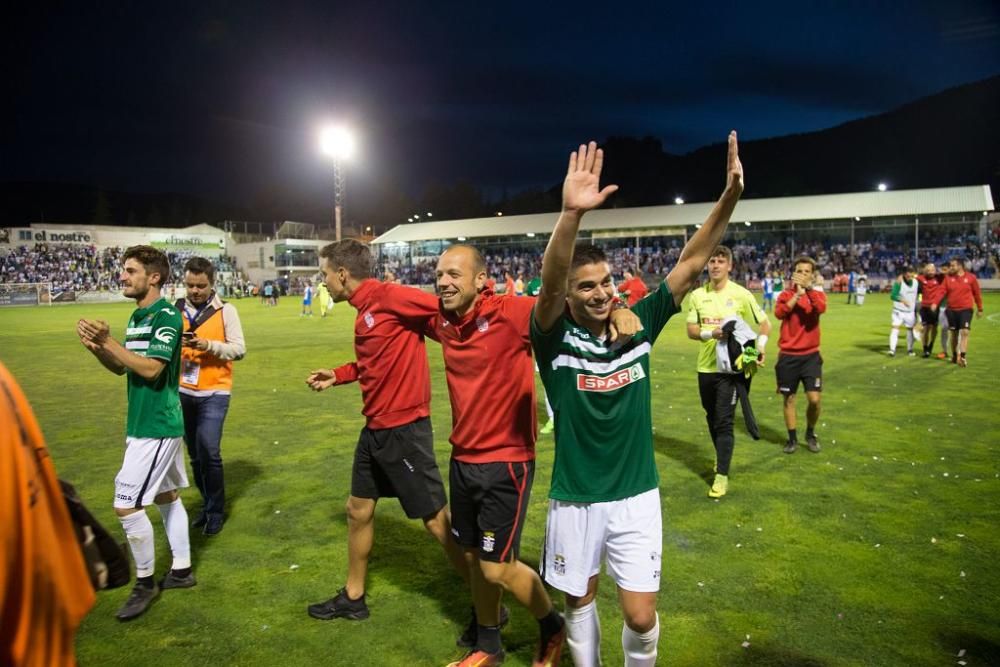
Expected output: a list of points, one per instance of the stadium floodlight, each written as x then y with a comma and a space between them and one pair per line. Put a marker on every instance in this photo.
531, 235
337, 142
857, 219
430, 215
986, 212
678, 200
409, 219
461, 238
499, 214
882, 187
746, 222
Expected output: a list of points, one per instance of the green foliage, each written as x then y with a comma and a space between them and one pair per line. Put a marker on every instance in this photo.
879, 551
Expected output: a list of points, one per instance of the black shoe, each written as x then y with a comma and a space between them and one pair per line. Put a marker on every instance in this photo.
926, 354
213, 524
138, 602
174, 581
790, 447
470, 636
812, 443
199, 520
340, 606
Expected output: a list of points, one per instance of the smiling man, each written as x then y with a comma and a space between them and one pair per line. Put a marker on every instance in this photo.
153, 468
604, 498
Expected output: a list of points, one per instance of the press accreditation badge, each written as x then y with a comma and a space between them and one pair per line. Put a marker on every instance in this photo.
190, 371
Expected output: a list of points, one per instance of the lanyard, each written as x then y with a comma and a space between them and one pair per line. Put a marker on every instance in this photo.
197, 314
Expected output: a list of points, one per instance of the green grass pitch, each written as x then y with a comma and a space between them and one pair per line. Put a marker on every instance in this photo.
881, 550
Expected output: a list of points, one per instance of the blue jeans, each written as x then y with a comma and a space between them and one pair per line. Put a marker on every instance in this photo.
203, 419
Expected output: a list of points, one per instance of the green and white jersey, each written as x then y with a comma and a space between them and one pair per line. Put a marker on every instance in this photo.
600, 394
154, 407
904, 290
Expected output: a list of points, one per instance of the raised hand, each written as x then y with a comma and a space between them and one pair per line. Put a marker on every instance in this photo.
734, 168
581, 189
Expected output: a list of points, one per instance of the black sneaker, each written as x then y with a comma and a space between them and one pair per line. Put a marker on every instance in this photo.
470, 636
138, 602
174, 581
790, 447
199, 520
812, 443
340, 606
213, 524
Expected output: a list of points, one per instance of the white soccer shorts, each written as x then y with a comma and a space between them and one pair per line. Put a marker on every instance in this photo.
902, 318
627, 534
151, 466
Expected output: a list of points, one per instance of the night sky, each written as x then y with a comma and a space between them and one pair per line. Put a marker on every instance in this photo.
224, 99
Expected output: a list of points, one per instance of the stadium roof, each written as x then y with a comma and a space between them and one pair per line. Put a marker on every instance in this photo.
892, 203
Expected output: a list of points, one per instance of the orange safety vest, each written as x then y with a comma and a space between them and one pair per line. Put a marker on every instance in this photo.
214, 373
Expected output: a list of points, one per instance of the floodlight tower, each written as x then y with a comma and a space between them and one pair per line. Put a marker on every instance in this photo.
338, 143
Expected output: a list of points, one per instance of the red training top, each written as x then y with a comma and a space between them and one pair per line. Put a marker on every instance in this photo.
636, 289
931, 289
799, 324
491, 382
961, 290
391, 358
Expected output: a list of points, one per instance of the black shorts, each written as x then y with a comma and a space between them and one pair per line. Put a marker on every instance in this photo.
488, 504
929, 316
794, 368
959, 319
399, 463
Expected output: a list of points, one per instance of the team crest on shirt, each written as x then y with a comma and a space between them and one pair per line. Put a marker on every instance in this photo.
369, 320
729, 303
616, 380
165, 334
489, 541
559, 564
482, 324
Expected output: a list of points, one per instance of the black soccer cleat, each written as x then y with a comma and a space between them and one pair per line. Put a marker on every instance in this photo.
172, 580
790, 447
340, 606
138, 602
813, 444
470, 635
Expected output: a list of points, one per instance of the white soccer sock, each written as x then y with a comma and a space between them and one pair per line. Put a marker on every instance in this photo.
175, 521
583, 635
893, 339
910, 337
139, 532
640, 649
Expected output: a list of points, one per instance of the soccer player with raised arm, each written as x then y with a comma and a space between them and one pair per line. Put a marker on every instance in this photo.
153, 468
604, 497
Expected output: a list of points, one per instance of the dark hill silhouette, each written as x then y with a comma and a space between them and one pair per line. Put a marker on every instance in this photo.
947, 139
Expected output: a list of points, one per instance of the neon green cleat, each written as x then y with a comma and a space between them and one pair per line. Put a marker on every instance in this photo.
719, 486
548, 428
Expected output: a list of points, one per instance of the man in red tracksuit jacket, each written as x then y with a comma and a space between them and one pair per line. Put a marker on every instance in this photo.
960, 289
799, 307
395, 451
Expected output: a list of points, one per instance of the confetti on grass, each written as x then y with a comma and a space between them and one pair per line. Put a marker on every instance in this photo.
746, 642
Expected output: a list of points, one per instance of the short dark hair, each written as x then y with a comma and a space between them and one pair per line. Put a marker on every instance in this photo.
906, 269
585, 253
352, 255
201, 265
152, 260
478, 263
958, 258
804, 259
723, 251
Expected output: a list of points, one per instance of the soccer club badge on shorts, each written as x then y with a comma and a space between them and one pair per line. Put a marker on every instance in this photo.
559, 564
489, 541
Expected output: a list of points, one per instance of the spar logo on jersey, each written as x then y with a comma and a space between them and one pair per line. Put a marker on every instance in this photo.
165, 335
616, 380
